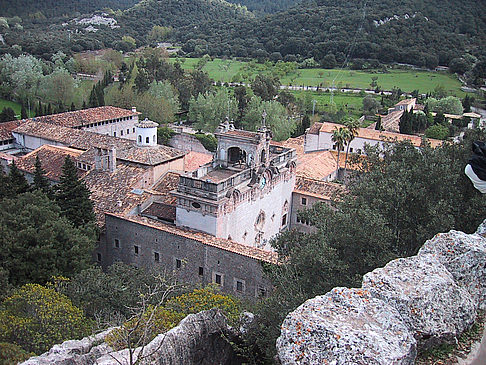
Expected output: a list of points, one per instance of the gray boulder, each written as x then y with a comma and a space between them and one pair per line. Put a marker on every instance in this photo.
464, 255
345, 327
198, 339
74, 352
432, 305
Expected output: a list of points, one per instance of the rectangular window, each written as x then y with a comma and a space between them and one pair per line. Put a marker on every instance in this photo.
239, 286
98, 256
218, 279
156, 257
135, 249
201, 271
133, 130
121, 132
304, 201
116, 242
178, 264
128, 131
284, 220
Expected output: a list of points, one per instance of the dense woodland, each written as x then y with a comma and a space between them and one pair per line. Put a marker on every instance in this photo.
411, 31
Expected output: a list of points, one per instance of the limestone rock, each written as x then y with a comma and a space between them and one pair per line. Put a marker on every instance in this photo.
464, 256
345, 327
196, 340
74, 352
432, 305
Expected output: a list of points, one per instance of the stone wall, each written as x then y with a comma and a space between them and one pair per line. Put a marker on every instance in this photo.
193, 261
409, 305
187, 142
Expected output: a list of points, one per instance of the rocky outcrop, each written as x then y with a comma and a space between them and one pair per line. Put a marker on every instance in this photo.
74, 352
425, 294
464, 255
422, 300
198, 339
331, 329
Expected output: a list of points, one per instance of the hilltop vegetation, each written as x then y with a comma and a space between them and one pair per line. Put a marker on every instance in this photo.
330, 33
55, 8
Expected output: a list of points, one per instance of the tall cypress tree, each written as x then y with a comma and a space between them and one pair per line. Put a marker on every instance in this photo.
23, 112
73, 196
40, 180
18, 183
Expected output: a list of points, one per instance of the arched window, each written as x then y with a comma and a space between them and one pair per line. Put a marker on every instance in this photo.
262, 157
153, 138
147, 140
140, 139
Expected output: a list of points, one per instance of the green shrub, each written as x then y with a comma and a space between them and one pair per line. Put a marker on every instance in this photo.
35, 318
208, 141
12, 354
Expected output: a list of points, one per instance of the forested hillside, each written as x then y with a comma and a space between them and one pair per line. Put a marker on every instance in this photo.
410, 31
54, 8
331, 32
266, 6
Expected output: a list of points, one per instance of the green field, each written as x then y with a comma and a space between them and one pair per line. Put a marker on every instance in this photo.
407, 80
352, 103
10, 104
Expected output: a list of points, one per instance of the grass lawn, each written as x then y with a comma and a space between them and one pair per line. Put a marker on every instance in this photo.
407, 80
15, 106
352, 103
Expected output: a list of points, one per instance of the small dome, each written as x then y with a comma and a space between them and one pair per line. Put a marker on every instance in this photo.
146, 124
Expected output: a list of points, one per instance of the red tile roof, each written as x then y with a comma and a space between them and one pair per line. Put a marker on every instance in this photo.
113, 192
319, 189
195, 160
79, 118
372, 134
221, 243
7, 128
84, 140
161, 211
406, 101
51, 158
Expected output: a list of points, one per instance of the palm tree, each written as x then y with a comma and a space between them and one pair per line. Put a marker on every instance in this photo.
339, 137
352, 127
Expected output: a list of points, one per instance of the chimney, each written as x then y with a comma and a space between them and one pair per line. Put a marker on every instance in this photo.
112, 159
134, 109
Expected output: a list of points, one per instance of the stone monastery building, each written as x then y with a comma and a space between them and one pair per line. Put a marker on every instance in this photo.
208, 218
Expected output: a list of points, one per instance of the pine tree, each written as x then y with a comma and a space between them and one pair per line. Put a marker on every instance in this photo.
378, 124
405, 124
40, 180
4, 184
73, 196
18, 183
23, 112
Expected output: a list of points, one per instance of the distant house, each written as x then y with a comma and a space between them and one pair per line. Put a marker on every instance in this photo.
319, 138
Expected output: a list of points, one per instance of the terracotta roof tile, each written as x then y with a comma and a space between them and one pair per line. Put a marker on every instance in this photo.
84, 140
321, 189
315, 128
164, 186
221, 243
79, 118
380, 135
51, 158
7, 128
296, 143
406, 101
195, 160
161, 211
316, 165
112, 192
